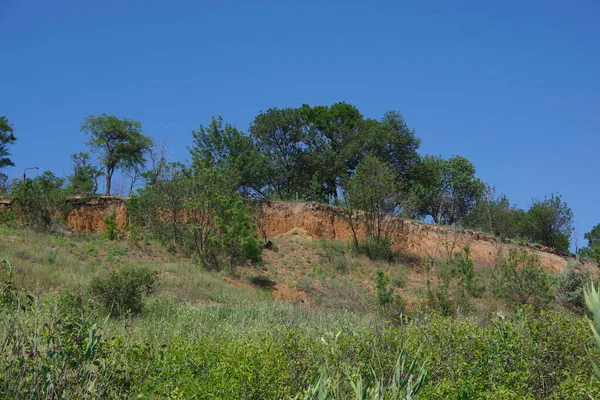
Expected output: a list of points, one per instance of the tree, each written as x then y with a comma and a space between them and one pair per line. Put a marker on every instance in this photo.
118, 142
281, 135
333, 146
40, 200
445, 190
520, 279
372, 190
549, 222
593, 248
223, 145
158, 208
7, 138
494, 214
392, 141
84, 179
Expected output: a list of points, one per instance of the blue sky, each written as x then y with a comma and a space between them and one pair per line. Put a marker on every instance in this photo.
514, 86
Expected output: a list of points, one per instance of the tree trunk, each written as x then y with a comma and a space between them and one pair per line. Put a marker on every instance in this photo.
108, 179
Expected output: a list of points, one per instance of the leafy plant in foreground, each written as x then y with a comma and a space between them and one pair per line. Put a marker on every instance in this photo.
122, 292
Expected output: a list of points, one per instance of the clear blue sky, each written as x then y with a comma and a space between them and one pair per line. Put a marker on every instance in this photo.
512, 85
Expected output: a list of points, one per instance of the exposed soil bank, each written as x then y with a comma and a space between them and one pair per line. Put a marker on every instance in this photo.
276, 217
422, 240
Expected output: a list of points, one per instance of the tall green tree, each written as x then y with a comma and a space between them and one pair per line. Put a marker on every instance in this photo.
333, 144
223, 145
372, 190
495, 214
593, 248
84, 179
7, 138
119, 144
391, 140
445, 190
549, 222
282, 136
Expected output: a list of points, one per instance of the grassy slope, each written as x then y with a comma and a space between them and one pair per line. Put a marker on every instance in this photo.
208, 335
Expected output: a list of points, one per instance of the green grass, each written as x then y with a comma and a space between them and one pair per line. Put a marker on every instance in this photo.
199, 336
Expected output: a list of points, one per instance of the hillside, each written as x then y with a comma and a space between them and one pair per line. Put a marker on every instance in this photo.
304, 319
323, 221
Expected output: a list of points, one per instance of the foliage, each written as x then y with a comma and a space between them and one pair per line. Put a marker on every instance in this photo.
385, 295
7, 138
11, 297
40, 201
220, 223
520, 279
313, 151
456, 285
122, 292
372, 191
110, 223
377, 249
445, 190
158, 208
247, 344
84, 180
198, 210
281, 136
393, 142
61, 355
549, 222
119, 144
332, 137
407, 380
228, 148
592, 301
494, 214
593, 248
8, 217
570, 284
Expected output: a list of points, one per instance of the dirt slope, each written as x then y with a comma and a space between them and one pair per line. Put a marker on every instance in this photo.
320, 220
409, 237
88, 214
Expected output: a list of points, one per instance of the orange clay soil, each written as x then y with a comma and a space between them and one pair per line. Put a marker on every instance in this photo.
323, 221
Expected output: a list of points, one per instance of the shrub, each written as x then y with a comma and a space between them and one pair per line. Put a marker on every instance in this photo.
41, 201
384, 295
549, 222
378, 249
457, 284
110, 222
520, 279
10, 296
8, 217
570, 284
122, 292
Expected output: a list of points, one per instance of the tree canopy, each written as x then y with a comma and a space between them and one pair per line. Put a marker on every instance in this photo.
549, 222
119, 143
7, 138
445, 190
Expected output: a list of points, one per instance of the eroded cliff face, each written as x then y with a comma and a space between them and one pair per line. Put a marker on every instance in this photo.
409, 237
88, 214
275, 218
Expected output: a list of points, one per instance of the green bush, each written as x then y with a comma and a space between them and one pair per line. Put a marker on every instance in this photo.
41, 201
110, 223
378, 249
122, 292
384, 295
8, 217
456, 285
520, 279
570, 284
